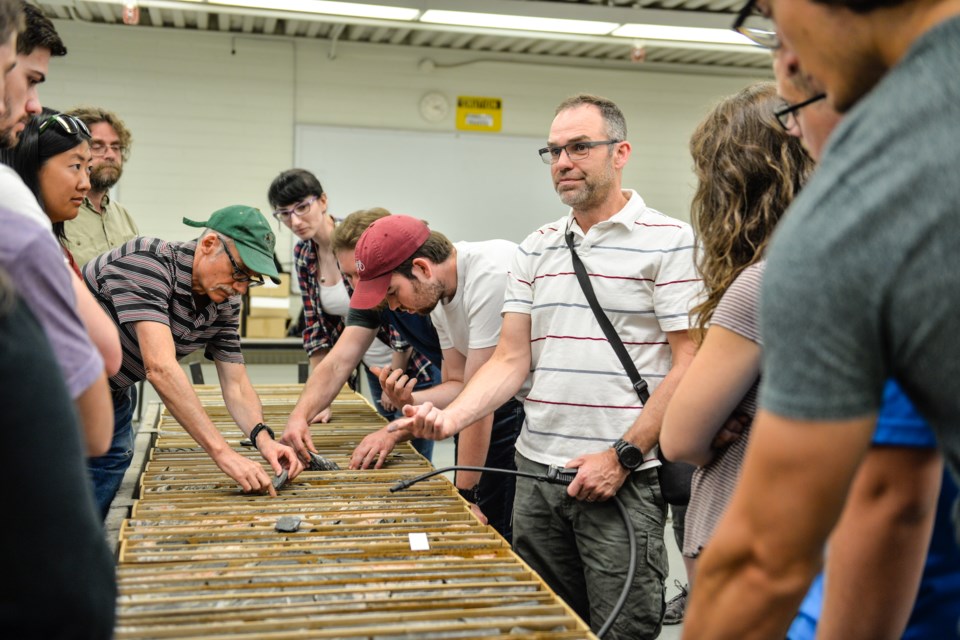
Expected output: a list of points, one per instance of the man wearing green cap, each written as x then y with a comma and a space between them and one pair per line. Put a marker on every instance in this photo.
168, 299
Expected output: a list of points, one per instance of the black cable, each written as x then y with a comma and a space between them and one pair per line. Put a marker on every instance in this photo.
563, 477
406, 484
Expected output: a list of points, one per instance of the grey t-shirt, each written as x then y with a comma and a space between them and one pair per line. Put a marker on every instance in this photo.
863, 276
32, 257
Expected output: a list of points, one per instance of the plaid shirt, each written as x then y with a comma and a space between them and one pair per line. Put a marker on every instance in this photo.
419, 365
322, 329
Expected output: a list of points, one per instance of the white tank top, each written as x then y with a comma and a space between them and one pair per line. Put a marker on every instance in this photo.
335, 300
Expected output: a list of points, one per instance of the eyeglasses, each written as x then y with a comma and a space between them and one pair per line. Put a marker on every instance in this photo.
787, 115
575, 150
756, 26
68, 124
239, 275
100, 148
299, 209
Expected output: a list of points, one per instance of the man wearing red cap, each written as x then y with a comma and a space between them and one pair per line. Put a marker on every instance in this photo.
169, 299
461, 287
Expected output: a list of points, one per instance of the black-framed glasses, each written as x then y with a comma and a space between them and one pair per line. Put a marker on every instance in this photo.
70, 125
299, 209
755, 26
787, 115
100, 148
575, 150
239, 275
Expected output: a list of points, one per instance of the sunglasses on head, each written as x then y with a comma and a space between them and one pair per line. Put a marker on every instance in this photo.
70, 125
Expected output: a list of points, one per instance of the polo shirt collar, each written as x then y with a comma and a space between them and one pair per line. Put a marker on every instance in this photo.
626, 217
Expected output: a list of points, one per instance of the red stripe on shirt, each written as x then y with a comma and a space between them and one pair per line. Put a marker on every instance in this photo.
647, 224
592, 275
664, 284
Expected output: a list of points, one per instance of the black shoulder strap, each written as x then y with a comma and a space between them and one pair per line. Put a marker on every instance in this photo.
639, 384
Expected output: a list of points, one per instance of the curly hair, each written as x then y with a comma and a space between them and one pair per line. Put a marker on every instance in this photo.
96, 115
749, 170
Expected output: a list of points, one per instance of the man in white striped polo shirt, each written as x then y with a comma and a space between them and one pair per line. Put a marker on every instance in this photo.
169, 299
582, 410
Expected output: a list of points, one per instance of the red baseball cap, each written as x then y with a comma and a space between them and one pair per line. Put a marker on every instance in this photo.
385, 245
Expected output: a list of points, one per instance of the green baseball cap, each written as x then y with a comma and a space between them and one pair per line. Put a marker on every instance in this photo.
250, 232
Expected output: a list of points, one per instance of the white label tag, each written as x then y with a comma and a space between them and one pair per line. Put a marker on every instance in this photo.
419, 542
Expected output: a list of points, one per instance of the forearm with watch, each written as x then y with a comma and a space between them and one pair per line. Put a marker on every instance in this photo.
181, 400
644, 434
629, 455
261, 429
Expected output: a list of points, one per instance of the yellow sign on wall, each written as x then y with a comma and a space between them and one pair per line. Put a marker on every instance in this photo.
476, 113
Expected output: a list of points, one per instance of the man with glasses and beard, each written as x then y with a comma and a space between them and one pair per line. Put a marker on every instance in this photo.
169, 299
102, 223
582, 410
860, 288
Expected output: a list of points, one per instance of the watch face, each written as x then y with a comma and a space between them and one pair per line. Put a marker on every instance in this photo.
630, 456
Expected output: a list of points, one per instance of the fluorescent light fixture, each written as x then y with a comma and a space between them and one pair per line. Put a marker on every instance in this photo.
328, 7
525, 23
682, 34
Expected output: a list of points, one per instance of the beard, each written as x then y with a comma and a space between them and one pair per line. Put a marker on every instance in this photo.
9, 136
7, 140
594, 190
223, 288
105, 175
428, 297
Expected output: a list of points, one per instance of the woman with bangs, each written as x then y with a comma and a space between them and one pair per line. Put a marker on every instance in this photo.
53, 159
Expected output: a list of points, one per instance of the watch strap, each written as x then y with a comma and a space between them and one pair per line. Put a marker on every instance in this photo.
471, 495
257, 428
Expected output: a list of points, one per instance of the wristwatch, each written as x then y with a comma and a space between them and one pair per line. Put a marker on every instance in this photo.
257, 428
630, 456
471, 495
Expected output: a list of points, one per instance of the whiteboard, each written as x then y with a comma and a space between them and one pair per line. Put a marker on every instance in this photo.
468, 186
